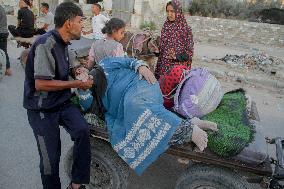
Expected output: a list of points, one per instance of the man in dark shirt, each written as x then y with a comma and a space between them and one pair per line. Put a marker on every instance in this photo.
3, 38
47, 93
25, 21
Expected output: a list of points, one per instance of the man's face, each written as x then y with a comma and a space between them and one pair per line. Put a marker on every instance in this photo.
43, 10
171, 13
74, 28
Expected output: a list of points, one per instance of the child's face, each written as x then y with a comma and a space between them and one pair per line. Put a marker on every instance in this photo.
96, 10
118, 35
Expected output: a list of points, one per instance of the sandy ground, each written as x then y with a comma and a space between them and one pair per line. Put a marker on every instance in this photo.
19, 157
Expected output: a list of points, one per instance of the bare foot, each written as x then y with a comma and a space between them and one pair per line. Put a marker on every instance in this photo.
8, 72
204, 124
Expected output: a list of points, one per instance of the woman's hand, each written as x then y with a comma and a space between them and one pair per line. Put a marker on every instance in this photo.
171, 54
147, 74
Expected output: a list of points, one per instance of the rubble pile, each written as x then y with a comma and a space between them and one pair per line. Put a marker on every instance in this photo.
258, 61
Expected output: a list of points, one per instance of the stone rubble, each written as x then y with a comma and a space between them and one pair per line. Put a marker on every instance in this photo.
257, 61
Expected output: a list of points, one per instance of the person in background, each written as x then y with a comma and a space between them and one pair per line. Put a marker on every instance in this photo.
109, 47
25, 27
98, 22
48, 20
33, 9
3, 39
47, 93
175, 53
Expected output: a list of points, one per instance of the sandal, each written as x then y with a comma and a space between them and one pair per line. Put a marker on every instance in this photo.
81, 187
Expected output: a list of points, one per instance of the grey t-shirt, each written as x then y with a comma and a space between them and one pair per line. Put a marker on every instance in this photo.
49, 19
106, 48
3, 21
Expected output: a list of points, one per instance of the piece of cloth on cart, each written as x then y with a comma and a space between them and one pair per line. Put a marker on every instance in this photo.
139, 126
175, 35
80, 47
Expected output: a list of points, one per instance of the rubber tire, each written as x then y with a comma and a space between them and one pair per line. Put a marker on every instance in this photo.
106, 159
202, 176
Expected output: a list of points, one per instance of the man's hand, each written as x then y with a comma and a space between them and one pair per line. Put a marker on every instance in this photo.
85, 85
147, 74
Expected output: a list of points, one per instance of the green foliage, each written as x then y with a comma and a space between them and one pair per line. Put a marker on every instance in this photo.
234, 129
148, 25
230, 8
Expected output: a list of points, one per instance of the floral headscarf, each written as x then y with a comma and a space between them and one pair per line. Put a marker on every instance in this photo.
175, 35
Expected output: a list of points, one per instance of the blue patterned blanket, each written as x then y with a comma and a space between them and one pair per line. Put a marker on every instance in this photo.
138, 124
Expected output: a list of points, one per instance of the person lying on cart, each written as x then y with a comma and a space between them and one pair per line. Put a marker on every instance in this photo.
140, 128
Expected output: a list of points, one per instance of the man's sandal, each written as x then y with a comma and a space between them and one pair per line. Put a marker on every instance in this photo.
81, 187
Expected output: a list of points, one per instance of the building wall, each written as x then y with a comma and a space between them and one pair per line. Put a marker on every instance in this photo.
14, 4
151, 11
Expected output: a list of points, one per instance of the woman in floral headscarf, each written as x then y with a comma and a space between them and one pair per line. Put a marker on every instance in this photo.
176, 51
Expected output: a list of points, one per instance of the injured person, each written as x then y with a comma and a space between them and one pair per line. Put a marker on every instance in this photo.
140, 128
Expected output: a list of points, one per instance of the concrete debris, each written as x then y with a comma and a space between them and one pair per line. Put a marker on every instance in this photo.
258, 61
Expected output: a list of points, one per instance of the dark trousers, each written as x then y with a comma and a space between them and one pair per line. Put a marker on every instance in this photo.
18, 32
3, 46
40, 31
45, 126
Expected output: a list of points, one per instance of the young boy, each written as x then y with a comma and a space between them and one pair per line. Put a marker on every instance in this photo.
98, 22
48, 19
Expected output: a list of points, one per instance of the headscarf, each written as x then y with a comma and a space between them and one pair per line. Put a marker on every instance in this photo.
175, 35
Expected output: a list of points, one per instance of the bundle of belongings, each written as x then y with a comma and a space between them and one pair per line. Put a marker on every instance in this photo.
198, 95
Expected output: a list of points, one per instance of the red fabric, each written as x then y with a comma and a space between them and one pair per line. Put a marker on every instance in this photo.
175, 35
169, 82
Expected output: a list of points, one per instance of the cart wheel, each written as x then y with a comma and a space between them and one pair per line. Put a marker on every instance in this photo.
201, 176
108, 170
